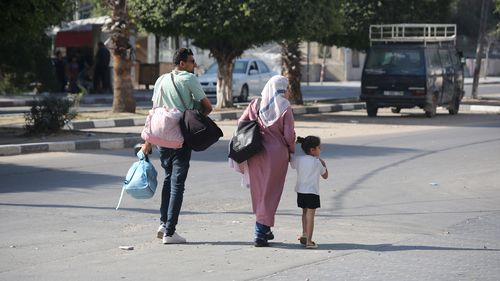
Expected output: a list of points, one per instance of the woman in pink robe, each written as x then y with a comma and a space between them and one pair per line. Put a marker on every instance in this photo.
267, 169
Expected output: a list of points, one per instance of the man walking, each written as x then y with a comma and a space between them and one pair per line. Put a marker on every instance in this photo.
176, 161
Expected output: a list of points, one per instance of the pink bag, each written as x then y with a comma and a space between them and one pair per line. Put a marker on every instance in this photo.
162, 127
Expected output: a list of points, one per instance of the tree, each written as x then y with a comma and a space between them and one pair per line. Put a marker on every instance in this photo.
24, 46
297, 21
360, 14
119, 27
480, 46
344, 23
225, 27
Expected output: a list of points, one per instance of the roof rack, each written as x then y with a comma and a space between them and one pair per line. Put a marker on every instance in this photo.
413, 33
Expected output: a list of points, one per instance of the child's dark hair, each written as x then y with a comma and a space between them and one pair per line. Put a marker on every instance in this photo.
308, 142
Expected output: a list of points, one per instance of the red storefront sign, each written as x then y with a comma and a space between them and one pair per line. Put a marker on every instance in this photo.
74, 39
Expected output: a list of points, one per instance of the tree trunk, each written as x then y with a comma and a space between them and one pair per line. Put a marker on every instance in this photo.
480, 47
225, 59
224, 83
291, 57
123, 90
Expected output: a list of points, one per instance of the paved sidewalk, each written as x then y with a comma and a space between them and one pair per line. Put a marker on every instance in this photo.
125, 142
130, 141
144, 96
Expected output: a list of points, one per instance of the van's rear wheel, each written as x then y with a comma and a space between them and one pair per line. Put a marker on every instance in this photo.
431, 108
371, 109
455, 105
396, 109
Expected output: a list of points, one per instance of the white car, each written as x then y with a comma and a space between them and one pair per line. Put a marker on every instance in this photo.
249, 78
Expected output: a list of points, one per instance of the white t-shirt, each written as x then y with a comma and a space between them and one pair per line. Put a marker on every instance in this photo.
309, 169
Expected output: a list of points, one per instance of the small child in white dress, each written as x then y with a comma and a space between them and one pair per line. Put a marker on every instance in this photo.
309, 168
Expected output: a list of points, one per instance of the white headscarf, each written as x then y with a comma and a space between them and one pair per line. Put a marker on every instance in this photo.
274, 103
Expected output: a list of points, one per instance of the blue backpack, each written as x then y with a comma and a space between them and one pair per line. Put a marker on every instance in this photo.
140, 181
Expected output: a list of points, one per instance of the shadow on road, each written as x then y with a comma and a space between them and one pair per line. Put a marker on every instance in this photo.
413, 118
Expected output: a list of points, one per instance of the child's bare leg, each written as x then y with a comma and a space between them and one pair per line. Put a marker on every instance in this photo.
310, 224
304, 222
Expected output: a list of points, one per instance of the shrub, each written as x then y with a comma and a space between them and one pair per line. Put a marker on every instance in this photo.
48, 115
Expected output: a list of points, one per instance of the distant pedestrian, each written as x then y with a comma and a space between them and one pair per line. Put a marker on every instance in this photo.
73, 73
176, 161
60, 67
309, 168
101, 69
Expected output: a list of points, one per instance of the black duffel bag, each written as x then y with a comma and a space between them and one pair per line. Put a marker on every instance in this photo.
247, 140
199, 131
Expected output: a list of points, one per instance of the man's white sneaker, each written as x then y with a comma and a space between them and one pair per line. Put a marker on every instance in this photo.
161, 231
174, 239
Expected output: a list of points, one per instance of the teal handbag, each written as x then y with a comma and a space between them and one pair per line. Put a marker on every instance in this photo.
140, 181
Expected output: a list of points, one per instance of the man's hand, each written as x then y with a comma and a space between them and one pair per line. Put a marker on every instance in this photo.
206, 106
146, 148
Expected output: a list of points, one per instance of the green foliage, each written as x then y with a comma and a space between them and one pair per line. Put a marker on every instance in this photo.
48, 115
218, 24
359, 14
497, 12
24, 48
314, 20
7, 85
467, 15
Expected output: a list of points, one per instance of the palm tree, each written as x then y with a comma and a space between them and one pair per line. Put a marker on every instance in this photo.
119, 28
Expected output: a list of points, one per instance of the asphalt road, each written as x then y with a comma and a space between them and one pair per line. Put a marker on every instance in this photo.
408, 198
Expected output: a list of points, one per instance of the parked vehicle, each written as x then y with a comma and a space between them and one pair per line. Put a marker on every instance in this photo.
412, 65
249, 78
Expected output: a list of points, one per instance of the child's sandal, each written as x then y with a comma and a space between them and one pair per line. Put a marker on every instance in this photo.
313, 245
302, 239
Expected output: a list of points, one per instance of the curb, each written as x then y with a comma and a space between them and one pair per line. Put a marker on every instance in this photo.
66, 146
142, 96
128, 142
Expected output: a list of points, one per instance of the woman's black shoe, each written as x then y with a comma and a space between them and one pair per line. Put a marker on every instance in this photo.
259, 242
269, 235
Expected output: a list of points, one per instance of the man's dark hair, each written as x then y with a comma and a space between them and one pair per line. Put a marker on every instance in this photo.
182, 55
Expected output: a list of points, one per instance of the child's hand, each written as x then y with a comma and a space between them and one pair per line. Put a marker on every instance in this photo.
325, 175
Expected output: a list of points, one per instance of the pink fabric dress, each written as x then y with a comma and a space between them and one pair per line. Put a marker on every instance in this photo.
267, 169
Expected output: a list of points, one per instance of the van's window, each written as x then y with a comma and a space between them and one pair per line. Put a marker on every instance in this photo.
401, 61
434, 60
445, 58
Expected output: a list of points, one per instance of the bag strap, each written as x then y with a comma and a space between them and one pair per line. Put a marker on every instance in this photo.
162, 93
258, 107
177, 91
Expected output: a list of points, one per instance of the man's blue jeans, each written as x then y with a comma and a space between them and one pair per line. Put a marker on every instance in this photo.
176, 165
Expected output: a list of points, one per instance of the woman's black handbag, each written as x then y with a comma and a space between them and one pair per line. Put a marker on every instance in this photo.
199, 131
247, 140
